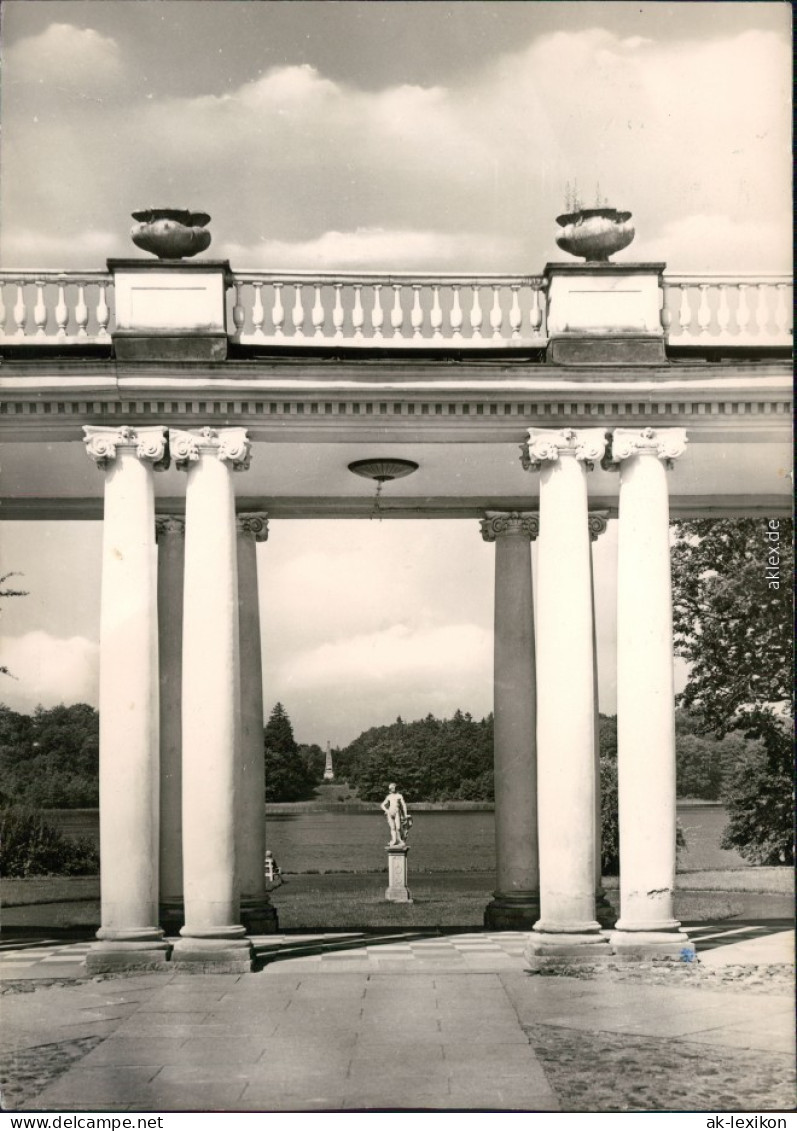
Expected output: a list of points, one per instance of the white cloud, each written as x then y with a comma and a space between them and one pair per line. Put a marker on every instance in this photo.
26, 247
64, 54
49, 671
719, 243
373, 249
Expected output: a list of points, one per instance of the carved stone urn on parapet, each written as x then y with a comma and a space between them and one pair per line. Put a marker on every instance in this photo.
171, 233
594, 233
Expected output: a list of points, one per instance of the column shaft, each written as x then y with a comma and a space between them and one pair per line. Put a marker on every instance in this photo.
128, 700
171, 558
516, 900
645, 695
565, 695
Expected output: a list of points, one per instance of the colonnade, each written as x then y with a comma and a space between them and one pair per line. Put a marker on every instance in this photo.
181, 714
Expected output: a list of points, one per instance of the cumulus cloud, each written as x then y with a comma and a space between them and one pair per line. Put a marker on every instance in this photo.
719, 243
299, 168
26, 247
47, 670
63, 55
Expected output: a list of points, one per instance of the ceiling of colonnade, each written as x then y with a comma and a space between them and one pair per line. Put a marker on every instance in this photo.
54, 479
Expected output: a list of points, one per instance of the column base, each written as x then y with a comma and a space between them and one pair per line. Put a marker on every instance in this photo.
550, 950
259, 915
111, 957
639, 946
604, 912
171, 915
213, 956
512, 911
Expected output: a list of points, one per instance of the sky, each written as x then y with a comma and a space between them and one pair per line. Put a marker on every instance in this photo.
405, 135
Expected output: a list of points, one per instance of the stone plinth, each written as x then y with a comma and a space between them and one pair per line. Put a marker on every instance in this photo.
170, 310
604, 313
397, 890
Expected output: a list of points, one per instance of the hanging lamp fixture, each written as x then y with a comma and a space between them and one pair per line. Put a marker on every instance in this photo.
382, 471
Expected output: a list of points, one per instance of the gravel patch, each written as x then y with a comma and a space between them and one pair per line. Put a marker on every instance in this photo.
603, 1072
760, 978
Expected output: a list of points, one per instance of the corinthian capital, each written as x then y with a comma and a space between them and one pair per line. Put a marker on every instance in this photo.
667, 444
169, 524
230, 445
103, 444
497, 524
254, 522
547, 445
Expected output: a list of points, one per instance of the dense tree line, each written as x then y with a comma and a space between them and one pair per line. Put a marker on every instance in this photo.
50, 759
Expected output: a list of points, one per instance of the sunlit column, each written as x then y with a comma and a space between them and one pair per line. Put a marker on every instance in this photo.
129, 935
516, 902
170, 534
645, 696
567, 930
213, 935
257, 912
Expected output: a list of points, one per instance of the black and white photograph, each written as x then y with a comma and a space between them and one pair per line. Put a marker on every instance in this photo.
396, 560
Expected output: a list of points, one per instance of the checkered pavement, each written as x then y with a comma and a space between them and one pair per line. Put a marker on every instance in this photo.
477, 950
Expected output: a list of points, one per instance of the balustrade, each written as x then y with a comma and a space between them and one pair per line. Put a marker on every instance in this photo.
404, 312
55, 307
389, 311
732, 310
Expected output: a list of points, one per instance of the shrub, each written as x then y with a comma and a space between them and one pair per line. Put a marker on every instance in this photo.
29, 846
759, 796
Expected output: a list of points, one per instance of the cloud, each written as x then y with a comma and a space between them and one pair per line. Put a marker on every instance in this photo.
373, 249
26, 247
718, 243
49, 671
65, 55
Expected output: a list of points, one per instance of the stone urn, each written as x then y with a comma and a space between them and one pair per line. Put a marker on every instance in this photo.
594, 233
171, 233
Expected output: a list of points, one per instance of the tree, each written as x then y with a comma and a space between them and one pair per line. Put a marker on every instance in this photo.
5, 592
287, 775
733, 618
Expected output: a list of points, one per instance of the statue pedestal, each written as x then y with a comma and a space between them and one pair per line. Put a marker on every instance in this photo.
397, 890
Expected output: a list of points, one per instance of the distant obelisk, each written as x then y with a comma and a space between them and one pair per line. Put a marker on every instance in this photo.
329, 773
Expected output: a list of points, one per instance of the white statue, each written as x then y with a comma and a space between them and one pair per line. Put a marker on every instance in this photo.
398, 819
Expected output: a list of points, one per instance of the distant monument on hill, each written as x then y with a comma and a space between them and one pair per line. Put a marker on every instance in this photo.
329, 773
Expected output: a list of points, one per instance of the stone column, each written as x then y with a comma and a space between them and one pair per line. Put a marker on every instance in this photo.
604, 912
129, 936
257, 913
170, 535
645, 697
516, 900
213, 938
567, 931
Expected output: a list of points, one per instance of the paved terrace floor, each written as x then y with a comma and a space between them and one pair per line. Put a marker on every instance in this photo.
341, 1022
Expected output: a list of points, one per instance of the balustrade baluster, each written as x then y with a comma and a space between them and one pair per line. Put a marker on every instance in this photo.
436, 316
337, 312
665, 314
536, 309
358, 314
81, 312
515, 313
238, 315
416, 316
476, 315
317, 313
40, 311
742, 310
760, 314
782, 310
685, 311
456, 313
397, 313
61, 312
723, 311
703, 310
20, 311
377, 314
2, 310
496, 314
103, 311
278, 311
258, 312
297, 315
